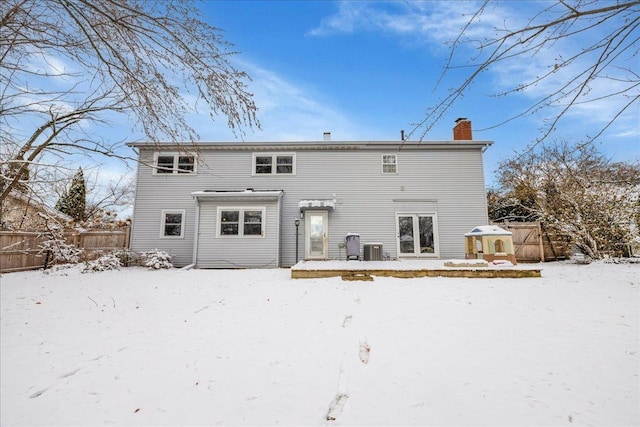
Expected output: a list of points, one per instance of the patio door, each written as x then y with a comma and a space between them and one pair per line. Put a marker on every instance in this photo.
316, 238
417, 235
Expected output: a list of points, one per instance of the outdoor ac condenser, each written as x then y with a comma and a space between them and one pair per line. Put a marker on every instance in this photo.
373, 252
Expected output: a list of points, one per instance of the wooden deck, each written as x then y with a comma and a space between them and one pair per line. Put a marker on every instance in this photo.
365, 270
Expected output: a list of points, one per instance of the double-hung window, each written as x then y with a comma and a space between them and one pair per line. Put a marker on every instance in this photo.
174, 163
172, 224
389, 163
274, 164
241, 222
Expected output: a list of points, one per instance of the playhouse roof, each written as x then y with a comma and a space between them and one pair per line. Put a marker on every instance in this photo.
488, 230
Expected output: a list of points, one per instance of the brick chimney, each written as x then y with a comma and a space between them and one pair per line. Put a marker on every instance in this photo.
462, 130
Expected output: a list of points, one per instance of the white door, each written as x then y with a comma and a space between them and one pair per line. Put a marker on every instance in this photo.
417, 235
316, 246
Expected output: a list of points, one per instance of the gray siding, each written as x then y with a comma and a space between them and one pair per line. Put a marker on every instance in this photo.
237, 252
441, 180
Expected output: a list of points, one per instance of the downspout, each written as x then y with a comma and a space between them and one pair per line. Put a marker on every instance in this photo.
196, 232
279, 255
484, 182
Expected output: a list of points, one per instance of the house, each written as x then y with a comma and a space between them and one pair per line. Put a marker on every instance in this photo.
269, 204
23, 211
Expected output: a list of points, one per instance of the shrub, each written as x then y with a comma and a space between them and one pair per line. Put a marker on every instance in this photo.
156, 259
106, 262
125, 256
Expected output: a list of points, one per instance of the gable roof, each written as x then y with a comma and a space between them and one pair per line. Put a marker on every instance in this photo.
488, 230
313, 145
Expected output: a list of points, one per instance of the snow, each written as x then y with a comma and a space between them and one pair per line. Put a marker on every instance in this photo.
254, 347
488, 230
409, 265
316, 204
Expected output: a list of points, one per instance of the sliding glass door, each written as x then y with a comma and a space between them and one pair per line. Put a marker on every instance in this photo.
417, 235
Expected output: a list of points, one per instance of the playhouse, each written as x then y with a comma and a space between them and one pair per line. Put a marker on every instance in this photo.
491, 243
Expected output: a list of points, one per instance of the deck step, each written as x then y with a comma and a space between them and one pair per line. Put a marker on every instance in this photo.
358, 276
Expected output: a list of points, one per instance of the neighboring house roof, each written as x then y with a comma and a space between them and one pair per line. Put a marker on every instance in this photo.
19, 211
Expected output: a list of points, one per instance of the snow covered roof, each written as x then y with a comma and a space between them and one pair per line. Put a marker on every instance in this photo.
488, 230
309, 204
248, 194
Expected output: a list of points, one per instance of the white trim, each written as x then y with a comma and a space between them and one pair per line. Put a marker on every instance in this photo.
241, 210
315, 204
163, 217
196, 233
416, 235
239, 196
174, 170
274, 166
395, 163
325, 234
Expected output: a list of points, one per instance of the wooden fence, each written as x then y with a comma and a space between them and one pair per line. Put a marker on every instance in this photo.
20, 250
532, 243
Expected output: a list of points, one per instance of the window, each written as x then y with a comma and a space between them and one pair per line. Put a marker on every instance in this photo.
274, 164
174, 163
417, 234
172, 224
241, 222
389, 163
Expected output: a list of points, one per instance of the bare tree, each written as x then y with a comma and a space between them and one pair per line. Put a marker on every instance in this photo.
67, 65
577, 192
598, 43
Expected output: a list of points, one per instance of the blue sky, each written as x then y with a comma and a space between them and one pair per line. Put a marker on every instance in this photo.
366, 70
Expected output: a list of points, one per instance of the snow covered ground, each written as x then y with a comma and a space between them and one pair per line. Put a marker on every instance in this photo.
254, 347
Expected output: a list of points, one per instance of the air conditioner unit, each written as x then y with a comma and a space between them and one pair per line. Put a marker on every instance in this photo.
373, 252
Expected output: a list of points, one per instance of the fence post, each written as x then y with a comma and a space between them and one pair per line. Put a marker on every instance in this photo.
46, 259
540, 241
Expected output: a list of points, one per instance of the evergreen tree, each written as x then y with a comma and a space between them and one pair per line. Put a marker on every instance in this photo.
74, 201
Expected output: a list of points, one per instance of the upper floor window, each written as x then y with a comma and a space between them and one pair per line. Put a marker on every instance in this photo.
274, 164
172, 224
174, 163
389, 163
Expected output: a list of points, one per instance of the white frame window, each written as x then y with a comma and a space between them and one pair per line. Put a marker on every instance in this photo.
169, 221
412, 240
241, 222
389, 163
267, 164
165, 163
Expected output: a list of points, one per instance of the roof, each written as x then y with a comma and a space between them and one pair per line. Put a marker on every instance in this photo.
313, 145
322, 203
248, 195
488, 230
38, 205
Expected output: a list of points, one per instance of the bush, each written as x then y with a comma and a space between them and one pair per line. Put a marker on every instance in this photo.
156, 259
125, 256
106, 262
60, 251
